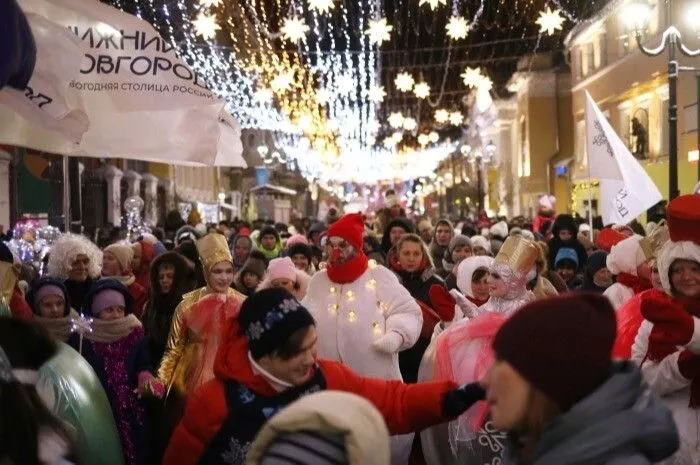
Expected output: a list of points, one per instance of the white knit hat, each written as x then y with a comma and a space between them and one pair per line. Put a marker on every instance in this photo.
626, 256
124, 254
481, 241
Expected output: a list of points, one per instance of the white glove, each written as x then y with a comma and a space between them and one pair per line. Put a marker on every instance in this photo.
469, 309
390, 343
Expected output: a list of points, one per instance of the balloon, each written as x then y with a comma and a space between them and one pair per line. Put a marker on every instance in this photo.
73, 392
133, 204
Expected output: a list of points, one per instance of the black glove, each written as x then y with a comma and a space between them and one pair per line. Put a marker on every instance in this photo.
458, 400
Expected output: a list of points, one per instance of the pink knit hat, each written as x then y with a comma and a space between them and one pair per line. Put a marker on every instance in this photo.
296, 239
281, 268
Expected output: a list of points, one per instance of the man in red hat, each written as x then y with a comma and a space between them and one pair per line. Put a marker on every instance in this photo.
364, 316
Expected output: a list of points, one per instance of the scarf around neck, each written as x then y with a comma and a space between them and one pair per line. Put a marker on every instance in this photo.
108, 331
349, 271
59, 328
125, 280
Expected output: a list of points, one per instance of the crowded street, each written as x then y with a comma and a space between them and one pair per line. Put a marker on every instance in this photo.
333, 232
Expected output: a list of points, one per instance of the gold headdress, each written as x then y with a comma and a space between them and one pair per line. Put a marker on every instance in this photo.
652, 243
518, 254
213, 249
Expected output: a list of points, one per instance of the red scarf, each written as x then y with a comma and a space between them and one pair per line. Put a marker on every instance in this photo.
349, 271
635, 282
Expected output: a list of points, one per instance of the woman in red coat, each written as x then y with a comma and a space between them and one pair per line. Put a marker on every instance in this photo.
275, 364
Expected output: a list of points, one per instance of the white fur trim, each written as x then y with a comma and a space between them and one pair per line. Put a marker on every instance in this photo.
66, 249
694, 344
499, 229
466, 270
626, 256
672, 251
482, 242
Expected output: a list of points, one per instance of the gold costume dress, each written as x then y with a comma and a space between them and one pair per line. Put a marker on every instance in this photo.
184, 349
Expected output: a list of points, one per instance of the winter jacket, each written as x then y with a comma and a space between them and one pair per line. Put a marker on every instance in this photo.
404, 223
665, 379
620, 423
405, 408
362, 427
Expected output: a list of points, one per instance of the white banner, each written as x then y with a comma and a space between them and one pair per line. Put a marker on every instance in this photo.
107, 85
626, 190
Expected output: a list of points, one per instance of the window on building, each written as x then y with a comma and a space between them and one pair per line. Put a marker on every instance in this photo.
600, 50
580, 143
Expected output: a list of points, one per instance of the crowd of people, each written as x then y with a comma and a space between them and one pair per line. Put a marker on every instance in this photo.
218, 344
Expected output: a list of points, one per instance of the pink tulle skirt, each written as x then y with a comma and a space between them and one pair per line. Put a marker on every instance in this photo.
206, 321
463, 355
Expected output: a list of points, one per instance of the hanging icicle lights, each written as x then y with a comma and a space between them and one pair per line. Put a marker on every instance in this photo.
327, 91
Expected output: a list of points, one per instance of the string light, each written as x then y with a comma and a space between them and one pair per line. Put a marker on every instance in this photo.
333, 309
350, 296
352, 316
421, 90
376, 328
263, 95
372, 283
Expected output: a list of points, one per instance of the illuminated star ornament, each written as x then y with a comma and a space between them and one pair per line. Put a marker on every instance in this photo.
294, 29
282, 81
323, 96
263, 95
396, 120
376, 94
550, 21
422, 90
379, 31
409, 124
471, 77
81, 325
456, 118
321, 6
404, 82
433, 3
442, 116
206, 26
209, 3
457, 28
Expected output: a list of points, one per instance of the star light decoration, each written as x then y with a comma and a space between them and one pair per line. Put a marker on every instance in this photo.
457, 28
379, 31
433, 3
442, 115
404, 82
409, 124
263, 95
323, 95
346, 84
423, 140
81, 325
282, 81
472, 77
422, 90
206, 26
396, 120
321, 6
456, 118
376, 93
294, 29
550, 21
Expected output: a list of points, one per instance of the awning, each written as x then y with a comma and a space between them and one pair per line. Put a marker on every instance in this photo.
273, 188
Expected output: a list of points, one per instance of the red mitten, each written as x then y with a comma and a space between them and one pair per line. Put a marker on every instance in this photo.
673, 325
430, 319
442, 302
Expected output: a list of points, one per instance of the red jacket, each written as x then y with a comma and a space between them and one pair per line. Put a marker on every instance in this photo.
629, 319
405, 407
140, 295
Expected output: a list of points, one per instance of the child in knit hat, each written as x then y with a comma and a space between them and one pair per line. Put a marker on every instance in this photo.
281, 272
50, 303
116, 349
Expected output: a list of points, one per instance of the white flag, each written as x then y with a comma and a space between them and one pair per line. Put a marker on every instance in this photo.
626, 190
107, 85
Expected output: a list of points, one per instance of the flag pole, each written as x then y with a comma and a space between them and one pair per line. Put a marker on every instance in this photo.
66, 196
590, 198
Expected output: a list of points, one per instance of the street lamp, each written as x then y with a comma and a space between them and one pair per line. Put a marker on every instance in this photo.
638, 14
480, 156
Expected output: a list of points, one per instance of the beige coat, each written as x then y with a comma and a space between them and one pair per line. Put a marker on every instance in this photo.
332, 412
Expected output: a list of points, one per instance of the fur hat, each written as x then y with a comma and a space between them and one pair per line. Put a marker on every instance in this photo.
124, 254
563, 353
626, 256
499, 230
481, 241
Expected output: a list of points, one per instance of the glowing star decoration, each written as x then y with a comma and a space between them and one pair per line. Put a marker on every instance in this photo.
550, 21
457, 28
422, 90
294, 29
433, 137
346, 84
442, 116
456, 118
282, 81
263, 95
376, 94
396, 120
471, 77
206, 26
409, 124
397, 137
379, 31
404, 82
433, 3
423, 140
81, 325
321, 6
389, 143
323, 96
209, 3
485, 84
373, 126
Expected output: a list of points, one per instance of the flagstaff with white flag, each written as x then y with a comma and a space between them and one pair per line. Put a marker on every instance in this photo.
626, 190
